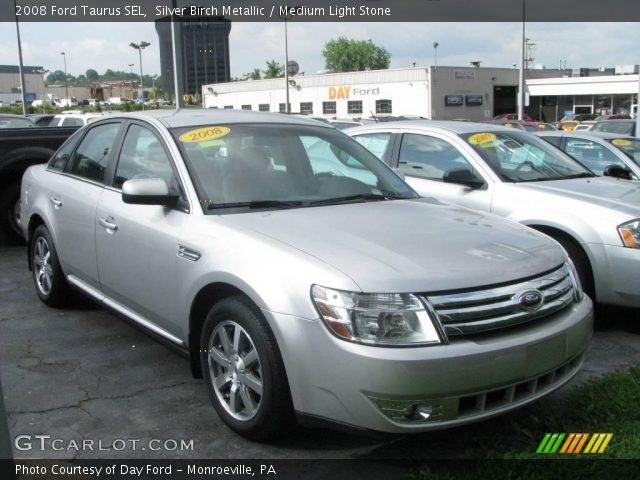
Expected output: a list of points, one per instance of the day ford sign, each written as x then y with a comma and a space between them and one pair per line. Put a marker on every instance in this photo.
348, 91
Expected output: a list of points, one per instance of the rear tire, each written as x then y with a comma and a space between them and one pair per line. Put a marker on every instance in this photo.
10, 212
51, 285
244, 371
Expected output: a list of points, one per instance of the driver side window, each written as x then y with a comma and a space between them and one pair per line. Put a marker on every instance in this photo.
429, 157
142, 156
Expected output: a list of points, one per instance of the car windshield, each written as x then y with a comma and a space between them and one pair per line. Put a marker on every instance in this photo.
252, 166
9, 122
520, 157
629, 146
613, 126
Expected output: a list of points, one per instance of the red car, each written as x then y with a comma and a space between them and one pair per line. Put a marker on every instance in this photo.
512, 116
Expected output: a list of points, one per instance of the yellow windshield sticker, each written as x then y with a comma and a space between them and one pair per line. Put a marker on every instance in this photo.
481, 138
204, 134
621, 142
542, 126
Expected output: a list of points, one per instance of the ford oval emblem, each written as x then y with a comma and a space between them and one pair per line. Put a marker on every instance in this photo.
530, 300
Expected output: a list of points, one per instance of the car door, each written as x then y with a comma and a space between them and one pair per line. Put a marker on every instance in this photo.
425, 158
73, 199
137, 245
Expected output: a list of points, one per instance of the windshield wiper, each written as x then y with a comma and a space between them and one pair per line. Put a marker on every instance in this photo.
255, 204
578, 175
351, 198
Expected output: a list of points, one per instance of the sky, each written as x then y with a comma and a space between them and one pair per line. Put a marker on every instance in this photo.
104, 46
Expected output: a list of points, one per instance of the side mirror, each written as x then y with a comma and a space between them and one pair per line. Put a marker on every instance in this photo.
463, 176
148, 191
617, 171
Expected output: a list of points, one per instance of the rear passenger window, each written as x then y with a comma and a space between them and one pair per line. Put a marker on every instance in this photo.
429, 157
92, 156
61, 157
376, 143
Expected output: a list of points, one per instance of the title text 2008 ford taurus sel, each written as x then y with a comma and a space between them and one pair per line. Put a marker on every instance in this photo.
301, 274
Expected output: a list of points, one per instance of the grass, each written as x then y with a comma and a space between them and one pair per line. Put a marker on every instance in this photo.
609, 404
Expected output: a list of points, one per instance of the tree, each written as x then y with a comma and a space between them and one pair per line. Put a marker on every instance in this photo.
253, 75
56, 76
274, 70
348, 55
92, 75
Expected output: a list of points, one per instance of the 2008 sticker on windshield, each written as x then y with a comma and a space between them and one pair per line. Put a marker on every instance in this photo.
481, 138
204, 134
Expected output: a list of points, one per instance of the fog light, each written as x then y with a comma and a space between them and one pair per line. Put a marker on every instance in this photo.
407, 411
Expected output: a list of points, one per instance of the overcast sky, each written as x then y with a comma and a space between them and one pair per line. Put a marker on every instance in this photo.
105, 45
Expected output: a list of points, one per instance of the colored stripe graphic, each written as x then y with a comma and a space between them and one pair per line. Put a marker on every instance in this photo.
574, 443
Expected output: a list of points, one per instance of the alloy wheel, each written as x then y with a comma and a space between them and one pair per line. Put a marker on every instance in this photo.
42, 266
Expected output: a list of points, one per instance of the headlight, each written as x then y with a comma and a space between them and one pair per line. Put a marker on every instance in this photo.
578, 293
384, 319
630, 234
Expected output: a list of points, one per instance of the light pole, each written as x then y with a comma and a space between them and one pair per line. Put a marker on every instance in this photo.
131, 65
521, 96
66, 79
140, 46
153, 87
24, 95
286, 66
435, 55
42, 73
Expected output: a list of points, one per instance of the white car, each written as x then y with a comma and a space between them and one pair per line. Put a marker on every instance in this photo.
519, 176
74, 119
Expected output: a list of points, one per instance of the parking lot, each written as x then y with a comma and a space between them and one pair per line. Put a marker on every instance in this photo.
84, 374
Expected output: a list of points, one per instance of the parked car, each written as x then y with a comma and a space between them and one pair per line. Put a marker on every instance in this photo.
617, 116
323, 292
521, 177
9, 120
74, 119
584, 126
41, 120
342, 124
19, 149
598, 151
512, 116
570, 122
620, 127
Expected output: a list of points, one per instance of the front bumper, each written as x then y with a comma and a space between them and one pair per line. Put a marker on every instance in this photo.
616, 272
467, 380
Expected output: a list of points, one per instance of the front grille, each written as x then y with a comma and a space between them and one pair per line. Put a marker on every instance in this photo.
479, 311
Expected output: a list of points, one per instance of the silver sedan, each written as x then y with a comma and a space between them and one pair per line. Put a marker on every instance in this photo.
301, 275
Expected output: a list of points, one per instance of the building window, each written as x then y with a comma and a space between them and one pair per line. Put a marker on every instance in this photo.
383, 106
329, 108
246, 107
228, 107
263, 107
283, 108
306, 107
354, 106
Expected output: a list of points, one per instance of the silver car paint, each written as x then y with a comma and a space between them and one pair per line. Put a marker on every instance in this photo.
274, 257
588, 209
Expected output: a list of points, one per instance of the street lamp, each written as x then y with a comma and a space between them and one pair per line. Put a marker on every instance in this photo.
66, 80
435, 55
131, 65
153, 87
140, 46
42, 73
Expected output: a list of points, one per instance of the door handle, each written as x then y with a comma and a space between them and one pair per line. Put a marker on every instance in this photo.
108, 223
56, 203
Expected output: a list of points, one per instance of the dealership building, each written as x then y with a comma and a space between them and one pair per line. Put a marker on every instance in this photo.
434, 92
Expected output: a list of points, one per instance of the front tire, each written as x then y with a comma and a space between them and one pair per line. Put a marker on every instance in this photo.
244, 371
51, 285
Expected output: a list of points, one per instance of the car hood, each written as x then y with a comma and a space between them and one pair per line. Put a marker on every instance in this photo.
620, 195
409, 245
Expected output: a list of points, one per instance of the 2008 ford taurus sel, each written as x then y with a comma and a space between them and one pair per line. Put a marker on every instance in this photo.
304, 278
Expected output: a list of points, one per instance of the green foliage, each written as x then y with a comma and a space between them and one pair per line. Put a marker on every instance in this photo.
348, 55
274, 70
253, 75
92, 75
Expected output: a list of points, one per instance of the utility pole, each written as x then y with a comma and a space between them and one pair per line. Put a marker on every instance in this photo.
24, 96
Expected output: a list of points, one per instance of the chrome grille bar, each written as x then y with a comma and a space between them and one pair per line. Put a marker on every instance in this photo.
494, 308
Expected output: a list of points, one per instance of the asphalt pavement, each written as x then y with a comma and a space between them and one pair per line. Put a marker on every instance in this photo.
84, 375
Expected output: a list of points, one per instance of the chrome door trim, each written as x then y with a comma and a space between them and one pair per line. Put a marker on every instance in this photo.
102, 298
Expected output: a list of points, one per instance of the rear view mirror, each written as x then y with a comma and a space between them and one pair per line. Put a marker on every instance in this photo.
463, 176
148, 191
617, 171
